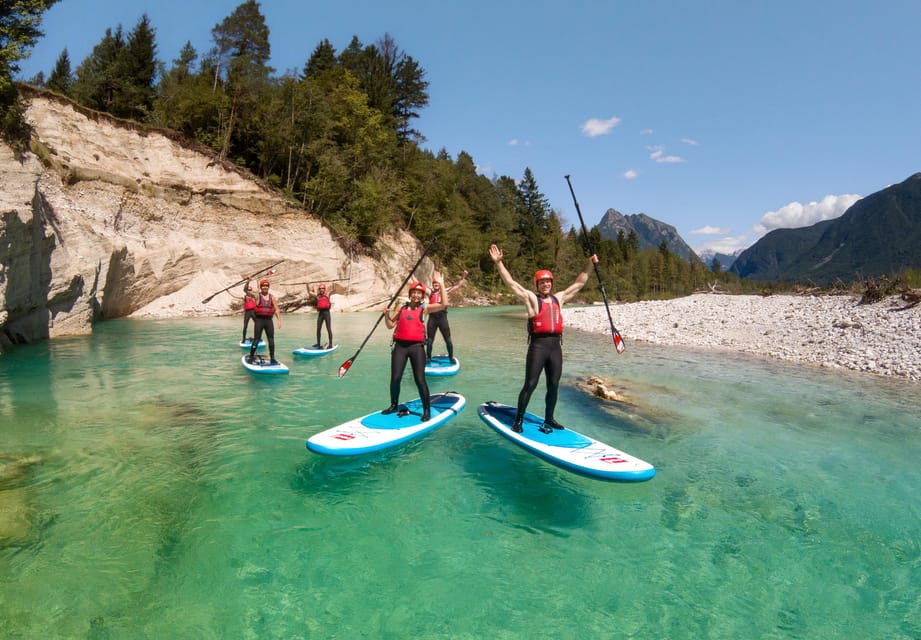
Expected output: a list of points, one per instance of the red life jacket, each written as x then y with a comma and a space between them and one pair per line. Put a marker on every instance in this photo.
549, 318
265, 307
409, 324
249, 303
323, 301
435, 298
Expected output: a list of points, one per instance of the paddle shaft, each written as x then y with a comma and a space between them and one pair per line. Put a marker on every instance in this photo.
294, 284
615, 334
237, 284
344, 368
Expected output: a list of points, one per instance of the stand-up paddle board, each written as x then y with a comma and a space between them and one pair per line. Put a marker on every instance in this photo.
246, 344
377, 431
262, 365
442, 366
566, 448
315, 351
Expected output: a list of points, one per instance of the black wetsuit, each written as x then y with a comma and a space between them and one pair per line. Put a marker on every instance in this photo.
323, 317
438, 321
545, 354
404, 350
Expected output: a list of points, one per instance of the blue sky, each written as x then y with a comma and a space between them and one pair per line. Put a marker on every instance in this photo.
724, 118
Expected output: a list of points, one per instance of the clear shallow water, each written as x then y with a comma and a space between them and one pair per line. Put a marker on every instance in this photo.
166, 492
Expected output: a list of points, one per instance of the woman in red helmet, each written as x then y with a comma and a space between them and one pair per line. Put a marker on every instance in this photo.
545, 333
438, 320
409, 344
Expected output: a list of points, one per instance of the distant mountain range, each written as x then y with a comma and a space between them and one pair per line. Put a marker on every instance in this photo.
649, 231
878, 235
726, 259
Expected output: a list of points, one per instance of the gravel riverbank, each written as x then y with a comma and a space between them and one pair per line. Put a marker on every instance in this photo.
831, 331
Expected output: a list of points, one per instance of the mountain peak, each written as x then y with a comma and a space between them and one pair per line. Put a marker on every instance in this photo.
649, 231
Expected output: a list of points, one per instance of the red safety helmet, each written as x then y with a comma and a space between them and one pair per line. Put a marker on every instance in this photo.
321, 286
417, 285
542, 274
263, 281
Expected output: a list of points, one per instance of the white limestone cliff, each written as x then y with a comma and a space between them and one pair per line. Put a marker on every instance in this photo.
105, 219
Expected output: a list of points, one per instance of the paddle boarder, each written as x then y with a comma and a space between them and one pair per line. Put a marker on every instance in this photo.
408, 323
438, 320
323, 305
249, 306
545, 334
266, 309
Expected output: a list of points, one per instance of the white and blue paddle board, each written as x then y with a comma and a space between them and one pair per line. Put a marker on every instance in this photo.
261, 365
377, 431
566, 448
442, 366
314, 351
246, 344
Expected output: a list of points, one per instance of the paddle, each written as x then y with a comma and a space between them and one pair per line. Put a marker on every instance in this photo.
270, 269
344, 369
615, 334
295, 284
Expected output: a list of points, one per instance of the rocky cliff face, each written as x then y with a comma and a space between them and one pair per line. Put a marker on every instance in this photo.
105, 219
649, 231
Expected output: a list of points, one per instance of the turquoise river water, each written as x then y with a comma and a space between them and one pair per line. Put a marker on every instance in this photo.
152, 488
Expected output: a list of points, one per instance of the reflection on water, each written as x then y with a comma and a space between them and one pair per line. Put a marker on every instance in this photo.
151, 487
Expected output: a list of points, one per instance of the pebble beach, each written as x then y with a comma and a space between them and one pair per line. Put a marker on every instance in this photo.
883, 338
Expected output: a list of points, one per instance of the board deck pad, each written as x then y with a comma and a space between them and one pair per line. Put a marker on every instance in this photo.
261, 365
314, 351
442, 366
376, 431
566, 448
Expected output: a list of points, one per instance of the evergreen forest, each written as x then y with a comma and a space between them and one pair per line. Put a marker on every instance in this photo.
339, 139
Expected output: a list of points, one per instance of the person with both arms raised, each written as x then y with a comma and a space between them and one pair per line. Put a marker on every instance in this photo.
438, 320
545, 334
409, 344
323, 305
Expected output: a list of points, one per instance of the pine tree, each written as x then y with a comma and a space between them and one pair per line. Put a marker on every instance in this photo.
137, 66
61, 76
411, 95
322, 59
97, 79
20, 24
241, 54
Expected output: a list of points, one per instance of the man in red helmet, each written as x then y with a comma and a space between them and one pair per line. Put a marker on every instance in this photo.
323, 304
545, 333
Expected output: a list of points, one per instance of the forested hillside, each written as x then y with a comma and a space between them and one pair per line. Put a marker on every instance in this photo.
339, 139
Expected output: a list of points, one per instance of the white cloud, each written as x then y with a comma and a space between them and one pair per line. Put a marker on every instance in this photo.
657, 153
630, 174
710, 231
727, 245
594, 127
513, 142
646, 132
689, 141
796, 214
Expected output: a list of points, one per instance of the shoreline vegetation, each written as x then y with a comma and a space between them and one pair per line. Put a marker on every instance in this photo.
833, 331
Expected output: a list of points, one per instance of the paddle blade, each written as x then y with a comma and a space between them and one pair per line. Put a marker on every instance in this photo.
618, 342
344, 368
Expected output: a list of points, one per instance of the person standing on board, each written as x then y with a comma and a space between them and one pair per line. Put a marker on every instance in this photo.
323, 305
438, 320
266, 309
545, 334
408, 323
249, 306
